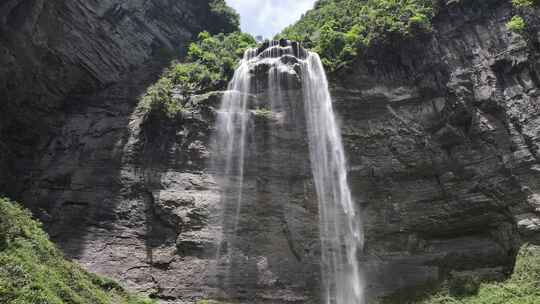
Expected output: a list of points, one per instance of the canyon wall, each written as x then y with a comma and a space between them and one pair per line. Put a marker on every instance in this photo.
54, 54
441, 132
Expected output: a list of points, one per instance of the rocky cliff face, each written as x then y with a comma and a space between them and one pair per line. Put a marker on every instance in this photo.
53, 54
71, 76
442, 136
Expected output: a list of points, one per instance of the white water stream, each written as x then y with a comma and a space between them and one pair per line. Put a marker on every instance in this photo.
340, 229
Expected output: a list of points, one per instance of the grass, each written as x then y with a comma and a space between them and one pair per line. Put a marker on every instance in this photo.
34, 271
522, 288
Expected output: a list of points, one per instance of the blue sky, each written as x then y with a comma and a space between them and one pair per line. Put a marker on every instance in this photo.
269, 17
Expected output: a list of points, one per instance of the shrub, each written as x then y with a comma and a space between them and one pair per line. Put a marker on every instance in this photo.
209, 65
523, 3
516, 24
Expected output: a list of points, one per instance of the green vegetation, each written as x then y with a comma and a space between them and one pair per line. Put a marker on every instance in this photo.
522, 288
523, 3
33, 271
516, 24
339, 29
226, 19
209, 65
263, 113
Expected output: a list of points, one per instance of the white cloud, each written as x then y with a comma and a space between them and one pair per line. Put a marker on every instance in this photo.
269, 17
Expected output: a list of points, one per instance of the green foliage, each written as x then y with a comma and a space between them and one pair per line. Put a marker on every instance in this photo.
522, 288
350, 25
209, 65
33, 271
263, 113
523, 3
226, 19
516, 24
159, 97
220, 53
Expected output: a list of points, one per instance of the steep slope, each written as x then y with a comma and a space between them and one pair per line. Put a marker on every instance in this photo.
73, 73
34, 271
442, 135
53, 53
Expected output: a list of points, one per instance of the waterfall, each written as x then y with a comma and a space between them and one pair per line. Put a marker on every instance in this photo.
232, 129
340, 230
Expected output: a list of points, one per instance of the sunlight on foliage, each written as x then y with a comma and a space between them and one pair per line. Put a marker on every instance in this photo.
209, 65
523, 3
339, 29
516, 24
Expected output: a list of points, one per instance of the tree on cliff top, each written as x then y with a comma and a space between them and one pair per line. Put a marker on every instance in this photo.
338, 29
226, 19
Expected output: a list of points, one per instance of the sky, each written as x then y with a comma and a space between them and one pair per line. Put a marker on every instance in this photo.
269, 17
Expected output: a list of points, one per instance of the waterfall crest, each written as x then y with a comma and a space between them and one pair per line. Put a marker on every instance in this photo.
340, 230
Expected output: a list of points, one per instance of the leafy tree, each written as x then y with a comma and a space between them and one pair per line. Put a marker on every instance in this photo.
226, 19
209, 65
350, 25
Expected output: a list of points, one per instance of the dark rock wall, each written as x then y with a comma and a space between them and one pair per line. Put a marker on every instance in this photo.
442, 134
71, 141
54, 52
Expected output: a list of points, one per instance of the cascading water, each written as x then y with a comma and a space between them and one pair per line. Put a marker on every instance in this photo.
232, 128
339, 227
